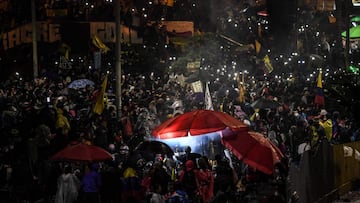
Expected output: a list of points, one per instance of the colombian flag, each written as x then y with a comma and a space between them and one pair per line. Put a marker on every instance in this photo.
99, 105
319, 94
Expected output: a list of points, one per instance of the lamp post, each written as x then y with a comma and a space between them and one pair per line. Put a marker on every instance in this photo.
118, 56
347, 28
34, 39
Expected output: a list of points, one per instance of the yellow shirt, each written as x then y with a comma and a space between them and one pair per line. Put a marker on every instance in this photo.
327, 126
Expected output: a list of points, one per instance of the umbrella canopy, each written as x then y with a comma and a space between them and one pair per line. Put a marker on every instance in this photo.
82, 152
253, 149
263, 103
154, 147
80, 83
354, 32
196, 122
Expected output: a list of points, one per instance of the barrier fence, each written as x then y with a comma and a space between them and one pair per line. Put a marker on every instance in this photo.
325, 172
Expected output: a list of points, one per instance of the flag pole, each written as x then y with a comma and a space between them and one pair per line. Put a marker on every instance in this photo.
118, 57
347, 26
34, 40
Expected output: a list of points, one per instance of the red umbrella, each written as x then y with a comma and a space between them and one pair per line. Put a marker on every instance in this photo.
253, 149
82, 152
196, 122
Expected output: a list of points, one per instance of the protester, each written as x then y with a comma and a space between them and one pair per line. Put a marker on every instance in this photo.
159, 178
68, 187
178, 193
206, 180
111, 183
189, 178
91, 184
224, 176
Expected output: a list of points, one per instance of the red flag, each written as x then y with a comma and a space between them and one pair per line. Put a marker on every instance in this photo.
128, 131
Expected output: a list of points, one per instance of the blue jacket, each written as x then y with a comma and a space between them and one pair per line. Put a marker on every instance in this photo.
91, 182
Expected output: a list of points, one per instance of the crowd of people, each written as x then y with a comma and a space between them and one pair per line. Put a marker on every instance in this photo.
42, 116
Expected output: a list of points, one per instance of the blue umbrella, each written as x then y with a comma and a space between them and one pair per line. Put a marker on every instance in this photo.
80, 83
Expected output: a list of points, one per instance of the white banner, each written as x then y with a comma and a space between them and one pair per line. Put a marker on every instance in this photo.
197, 86
208, 101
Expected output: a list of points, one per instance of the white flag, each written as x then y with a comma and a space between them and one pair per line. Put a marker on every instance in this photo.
208, 102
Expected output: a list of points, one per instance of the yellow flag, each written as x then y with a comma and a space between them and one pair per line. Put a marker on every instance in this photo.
99, 105
66, 50
327, 127
173, 175
267, 63
67, 54
257, 46
319, 80
99, 44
